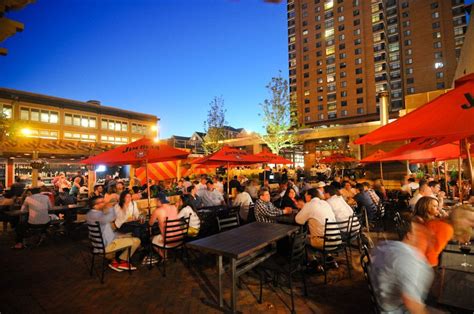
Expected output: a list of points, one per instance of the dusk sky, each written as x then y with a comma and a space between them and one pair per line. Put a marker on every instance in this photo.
163, 57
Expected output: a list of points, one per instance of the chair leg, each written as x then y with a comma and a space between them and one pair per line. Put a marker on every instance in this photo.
305, 291
324, 268
92, 265
291, 293
104, 261
349, 266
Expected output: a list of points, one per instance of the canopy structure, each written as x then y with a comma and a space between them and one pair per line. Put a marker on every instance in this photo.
142, 151
271, 158
229, 156
135, 153
425, 149
374, 157
451, 114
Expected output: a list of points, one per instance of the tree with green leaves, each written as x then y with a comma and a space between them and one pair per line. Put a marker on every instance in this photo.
278, 116
214, 126
7, 127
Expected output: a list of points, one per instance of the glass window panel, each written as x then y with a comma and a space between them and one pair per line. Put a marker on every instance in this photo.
24, 114
111, 125
77, 120
44, 116
124, 127
92, 122
68, 119
34, 115
53, 117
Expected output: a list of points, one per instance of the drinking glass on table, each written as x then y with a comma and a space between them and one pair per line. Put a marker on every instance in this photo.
465, 248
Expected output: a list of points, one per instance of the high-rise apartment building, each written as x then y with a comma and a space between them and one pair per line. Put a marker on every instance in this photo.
342, 53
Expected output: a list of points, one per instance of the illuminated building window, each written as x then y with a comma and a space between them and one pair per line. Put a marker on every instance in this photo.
114, 125
113, 139
80, 120
39, 115
6, 110
80, 137
139, 128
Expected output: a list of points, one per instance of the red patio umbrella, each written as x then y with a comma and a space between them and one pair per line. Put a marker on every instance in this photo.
451, 114
375, 157
335, 158
229, 156
144, 150
271, 158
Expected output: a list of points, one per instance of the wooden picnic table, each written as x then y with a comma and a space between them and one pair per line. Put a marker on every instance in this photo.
53, 210
246, 246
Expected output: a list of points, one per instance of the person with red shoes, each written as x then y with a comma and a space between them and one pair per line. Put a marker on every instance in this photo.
104, 213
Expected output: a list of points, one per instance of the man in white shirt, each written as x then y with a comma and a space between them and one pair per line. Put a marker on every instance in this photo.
315, 212
210, 196
202, 184
243, 200
218, 185
342, 211
423, 191
320, 187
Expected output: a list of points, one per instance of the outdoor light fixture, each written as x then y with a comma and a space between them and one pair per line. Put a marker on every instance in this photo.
26, 131
101, 168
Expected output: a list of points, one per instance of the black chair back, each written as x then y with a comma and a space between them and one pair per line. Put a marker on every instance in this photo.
95, 236
176, 231
251, 214
298, 248
365, 262
230, 222
333, 235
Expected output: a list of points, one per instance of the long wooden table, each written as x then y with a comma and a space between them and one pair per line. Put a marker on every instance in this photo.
246, 246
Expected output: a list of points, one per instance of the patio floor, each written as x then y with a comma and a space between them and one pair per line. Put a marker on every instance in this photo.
54, 278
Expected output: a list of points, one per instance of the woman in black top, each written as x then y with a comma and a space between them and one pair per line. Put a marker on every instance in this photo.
289, 199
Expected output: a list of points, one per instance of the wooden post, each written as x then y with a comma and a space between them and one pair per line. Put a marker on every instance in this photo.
148, 187
34, 170
178, 170
131, 183
91, 175
381, 171
460, 178
467, 146
446, 177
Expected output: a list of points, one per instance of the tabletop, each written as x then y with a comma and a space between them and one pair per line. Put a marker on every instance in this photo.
242, 241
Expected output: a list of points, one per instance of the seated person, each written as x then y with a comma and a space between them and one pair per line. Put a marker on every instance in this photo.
194, 199
315, 212
104, 213
243, 200
185, 210
210, 196
64, 198
348, 193
289, 199
126, 209
400, 273
373, 195
163, 211
363, 199
37, 206
342, 211
265, 210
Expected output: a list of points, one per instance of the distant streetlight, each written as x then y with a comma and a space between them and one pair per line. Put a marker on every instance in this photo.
26, 132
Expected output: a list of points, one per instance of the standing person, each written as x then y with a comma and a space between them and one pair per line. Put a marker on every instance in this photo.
400, 273
76, 186
64, 198
37, 206
265, 211
125, 210
79, 175
104, 214
18, 187
243, 200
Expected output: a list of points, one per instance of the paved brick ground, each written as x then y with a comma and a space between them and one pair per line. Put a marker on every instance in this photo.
53, 278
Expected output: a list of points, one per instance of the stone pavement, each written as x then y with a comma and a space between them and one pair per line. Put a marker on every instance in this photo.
53, 278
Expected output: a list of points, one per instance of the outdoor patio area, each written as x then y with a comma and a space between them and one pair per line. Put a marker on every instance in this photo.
29, 287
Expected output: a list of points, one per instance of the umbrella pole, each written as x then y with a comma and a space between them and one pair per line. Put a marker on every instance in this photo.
148, 187
228, 183
467, 145
446, 177
460, 178
381, 171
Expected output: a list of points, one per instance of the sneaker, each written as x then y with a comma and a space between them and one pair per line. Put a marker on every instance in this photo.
115, 266
124, 265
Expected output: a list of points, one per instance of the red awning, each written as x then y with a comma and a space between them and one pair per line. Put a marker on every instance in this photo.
451, 114
425, 150
375, 157
271, 158
229, 155
137, 152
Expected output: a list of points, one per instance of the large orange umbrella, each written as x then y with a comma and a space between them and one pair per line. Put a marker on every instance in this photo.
142, 150
376, 157
229, 156
271, 158
451, 114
